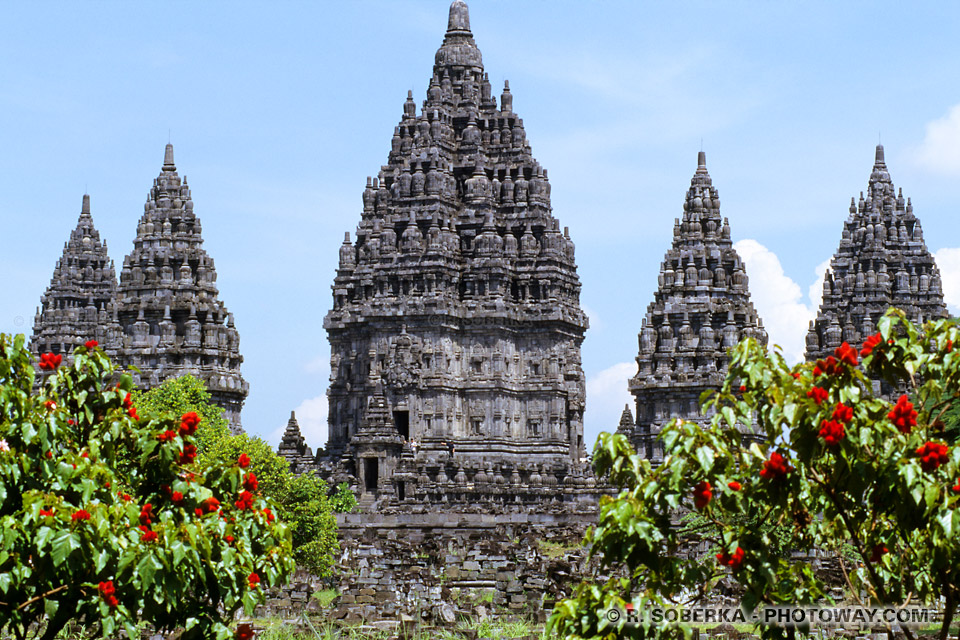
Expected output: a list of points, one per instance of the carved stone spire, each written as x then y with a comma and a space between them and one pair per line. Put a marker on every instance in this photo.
700, 309
882, 262
293, 447
168, 302
459, 296
78, 304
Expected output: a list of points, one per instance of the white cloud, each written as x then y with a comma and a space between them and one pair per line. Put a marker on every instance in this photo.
940, 150
606, 394
779, 300
948, 260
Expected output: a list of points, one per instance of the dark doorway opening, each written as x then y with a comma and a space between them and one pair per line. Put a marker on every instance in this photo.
401, 490
371, 474
402, 420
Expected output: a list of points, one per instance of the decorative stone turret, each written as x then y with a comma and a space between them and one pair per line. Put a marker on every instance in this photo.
78, 304
882, 262
700, 310
173, 321
293, 447
459, 301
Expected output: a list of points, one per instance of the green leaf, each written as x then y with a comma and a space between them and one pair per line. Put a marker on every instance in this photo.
62, 545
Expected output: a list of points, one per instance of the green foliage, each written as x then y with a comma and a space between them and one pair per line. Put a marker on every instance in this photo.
871, 490
302, 500
325, 597
78, 470
181, 395
343, 500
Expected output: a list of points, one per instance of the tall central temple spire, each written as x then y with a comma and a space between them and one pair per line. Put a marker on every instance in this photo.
700, 310
456, 317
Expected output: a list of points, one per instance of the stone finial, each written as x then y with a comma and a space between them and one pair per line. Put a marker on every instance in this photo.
879, 155
459, 17
85, 207
168, 158
702, 160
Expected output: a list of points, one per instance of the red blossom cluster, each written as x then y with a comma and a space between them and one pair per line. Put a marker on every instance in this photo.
188, 423
956, 487
250, 482
107, 592
125, 496
932, 455
167, 436
228, 539
49, 361
50, 405
776, 468
243, 461
91, 344
832, 432
176, 497
702, 494
80, 514
819, 394
188, 454
253, 580
146, 514
733, 560
148, 534
904, 416
949, 346
734, 485
270, 516
869, 344
877, 552
245, 501
46, 512
846, 354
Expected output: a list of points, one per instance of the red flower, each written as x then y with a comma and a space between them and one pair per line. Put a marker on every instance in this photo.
743, 388
776, 468
188, 454
869, 344
253, 579
842, 413
904, 416
932, 455
819, 394
91, 344
877, 551
846, 354
80, 514
146, 513
211, 504
702, 494
832, 432
828, 366
796, 375
245, 501
198, 511
167, 436
949, 346
49, 361
132, 412
127, 402
84, 455
188, 423
148, 534
250, 482
229, 539
50, 405
736, 486
244, 632
270, 517
46, 512
125, 496
71, 422
732, 560
243, 461
956, 487
176, 498
107, 590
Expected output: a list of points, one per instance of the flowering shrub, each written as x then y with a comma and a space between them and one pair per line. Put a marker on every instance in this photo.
838, 466
99, 510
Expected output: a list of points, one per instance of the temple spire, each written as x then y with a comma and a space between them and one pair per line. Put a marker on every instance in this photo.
702, 160
168, 159
459, 17
85, 207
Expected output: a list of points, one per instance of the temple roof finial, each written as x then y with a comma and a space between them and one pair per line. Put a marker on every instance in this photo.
168, 159
459, 17
85, 208
879, 157
702, 159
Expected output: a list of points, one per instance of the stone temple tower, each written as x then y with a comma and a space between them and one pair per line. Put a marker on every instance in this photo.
79, 303
173, 321
700, 310
456, 325
882, 262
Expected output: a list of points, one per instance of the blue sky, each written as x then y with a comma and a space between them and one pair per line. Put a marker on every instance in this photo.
279, 111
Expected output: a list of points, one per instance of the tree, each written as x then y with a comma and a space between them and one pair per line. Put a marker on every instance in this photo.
182, 395
108, 518
302, 501
830, 460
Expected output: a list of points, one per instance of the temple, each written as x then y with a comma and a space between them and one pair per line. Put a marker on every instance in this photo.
168, 305
456, 326
881, 262
700, 310
79, 303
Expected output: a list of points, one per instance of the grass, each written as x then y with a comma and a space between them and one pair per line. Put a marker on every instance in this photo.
326, 596
554, 550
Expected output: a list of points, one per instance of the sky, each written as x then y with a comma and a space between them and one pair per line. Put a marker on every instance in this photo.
279, 111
